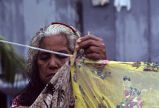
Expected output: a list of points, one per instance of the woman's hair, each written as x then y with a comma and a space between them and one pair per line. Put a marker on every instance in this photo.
35, 85
69, 32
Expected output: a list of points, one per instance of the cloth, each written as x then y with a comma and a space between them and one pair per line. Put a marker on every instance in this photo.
99, 2
117, 85
122, 3
57, 93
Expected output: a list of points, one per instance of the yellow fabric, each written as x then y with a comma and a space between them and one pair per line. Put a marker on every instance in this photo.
118, 85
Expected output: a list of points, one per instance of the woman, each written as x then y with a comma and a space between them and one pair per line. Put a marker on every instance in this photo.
42, 66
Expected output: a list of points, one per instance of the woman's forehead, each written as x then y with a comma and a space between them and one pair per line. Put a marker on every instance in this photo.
55, 38
54, 41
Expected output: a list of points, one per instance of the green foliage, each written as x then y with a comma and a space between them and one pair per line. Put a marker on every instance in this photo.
11, 62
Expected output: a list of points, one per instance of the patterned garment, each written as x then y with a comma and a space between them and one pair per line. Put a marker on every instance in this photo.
117, 85
58, 92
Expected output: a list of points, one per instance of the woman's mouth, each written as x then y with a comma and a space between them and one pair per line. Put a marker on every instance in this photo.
50, 75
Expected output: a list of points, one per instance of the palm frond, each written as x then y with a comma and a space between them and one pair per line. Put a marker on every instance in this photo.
10, 62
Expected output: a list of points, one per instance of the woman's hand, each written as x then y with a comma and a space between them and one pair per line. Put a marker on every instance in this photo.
94, 47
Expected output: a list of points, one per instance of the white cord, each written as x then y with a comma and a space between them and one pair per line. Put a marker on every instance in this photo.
40, 49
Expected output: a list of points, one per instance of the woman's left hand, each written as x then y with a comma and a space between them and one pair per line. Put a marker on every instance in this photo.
94, 47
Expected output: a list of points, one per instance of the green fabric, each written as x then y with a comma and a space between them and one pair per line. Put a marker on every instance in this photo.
118, 85
114, 85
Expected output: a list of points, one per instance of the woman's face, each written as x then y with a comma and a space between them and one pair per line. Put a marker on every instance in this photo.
48, 64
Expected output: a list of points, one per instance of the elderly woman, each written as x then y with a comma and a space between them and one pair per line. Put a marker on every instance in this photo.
42, 66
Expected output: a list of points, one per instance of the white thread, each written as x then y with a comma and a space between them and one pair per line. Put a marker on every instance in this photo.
40, 49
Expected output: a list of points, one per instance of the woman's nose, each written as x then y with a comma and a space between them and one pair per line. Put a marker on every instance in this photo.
53, 62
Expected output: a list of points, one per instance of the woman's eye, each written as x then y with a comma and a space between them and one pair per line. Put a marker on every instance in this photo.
44, 56
62, 56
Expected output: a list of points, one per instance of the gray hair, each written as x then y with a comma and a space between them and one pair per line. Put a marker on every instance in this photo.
71, 35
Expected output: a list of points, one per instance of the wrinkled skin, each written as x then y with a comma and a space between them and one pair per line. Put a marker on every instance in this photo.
48, 63
94, 47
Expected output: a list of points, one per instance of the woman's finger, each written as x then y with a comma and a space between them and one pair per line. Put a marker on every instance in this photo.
90, 42
89, 37
94, 49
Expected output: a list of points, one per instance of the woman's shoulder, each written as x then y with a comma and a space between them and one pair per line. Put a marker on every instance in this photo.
22, 99
16, 102
26, 97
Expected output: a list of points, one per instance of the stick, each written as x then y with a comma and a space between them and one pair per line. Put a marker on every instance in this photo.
40, 49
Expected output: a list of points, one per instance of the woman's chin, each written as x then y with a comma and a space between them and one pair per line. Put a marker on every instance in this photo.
49, 77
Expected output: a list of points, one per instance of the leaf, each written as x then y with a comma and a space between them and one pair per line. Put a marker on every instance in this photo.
11, 62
